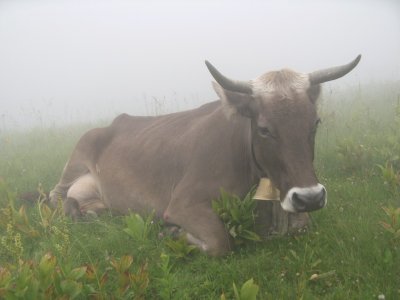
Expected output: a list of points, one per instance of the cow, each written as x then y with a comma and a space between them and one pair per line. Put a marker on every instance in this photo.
176, 164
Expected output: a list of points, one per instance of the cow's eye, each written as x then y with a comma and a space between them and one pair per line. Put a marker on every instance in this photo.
264, 132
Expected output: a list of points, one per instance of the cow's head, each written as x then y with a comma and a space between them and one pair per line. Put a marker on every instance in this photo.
282, 108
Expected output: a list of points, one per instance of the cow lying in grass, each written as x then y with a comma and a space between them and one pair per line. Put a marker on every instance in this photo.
176, 164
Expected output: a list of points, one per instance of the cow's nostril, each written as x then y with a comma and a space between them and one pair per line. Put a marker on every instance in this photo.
299, 203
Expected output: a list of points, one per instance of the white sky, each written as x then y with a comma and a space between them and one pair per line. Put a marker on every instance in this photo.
68, 61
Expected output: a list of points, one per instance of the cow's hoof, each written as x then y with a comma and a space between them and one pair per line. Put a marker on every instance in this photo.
173, 232
71, 208
91, 215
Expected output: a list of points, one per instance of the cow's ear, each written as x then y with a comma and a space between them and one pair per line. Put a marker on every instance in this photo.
234, 102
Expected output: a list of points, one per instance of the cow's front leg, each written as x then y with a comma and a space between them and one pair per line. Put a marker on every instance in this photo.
202, 226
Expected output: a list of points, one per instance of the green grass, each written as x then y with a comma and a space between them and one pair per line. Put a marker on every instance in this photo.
354, 257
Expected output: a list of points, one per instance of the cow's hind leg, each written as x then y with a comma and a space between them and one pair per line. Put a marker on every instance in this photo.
73, 170
83, 197
78, 191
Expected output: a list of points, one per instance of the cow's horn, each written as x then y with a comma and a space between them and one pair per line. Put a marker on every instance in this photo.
229, 84
333, 73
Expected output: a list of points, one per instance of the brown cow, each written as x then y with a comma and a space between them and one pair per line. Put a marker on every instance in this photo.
176, 164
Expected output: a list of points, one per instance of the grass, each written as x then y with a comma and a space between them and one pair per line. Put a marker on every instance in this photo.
346, 254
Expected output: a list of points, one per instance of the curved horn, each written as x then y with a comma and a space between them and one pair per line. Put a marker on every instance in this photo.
229, 84
333, 73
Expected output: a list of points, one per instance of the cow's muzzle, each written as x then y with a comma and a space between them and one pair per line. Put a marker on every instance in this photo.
305, 199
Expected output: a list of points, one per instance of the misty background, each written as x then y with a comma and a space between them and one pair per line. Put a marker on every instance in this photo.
63, 62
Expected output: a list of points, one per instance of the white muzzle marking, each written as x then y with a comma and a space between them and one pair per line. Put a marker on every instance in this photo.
310, 198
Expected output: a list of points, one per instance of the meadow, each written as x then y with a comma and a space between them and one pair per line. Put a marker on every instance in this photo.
351, 250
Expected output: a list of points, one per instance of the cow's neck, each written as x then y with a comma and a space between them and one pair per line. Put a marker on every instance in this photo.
242, 131
258, 170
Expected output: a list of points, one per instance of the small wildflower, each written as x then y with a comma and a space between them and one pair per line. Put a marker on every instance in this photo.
59, 248
9, 229
17, 240
314, 277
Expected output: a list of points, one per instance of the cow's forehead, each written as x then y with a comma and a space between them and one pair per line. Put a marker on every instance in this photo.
290, 107
285, 110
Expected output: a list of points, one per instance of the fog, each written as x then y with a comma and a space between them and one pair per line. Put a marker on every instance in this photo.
80, 61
